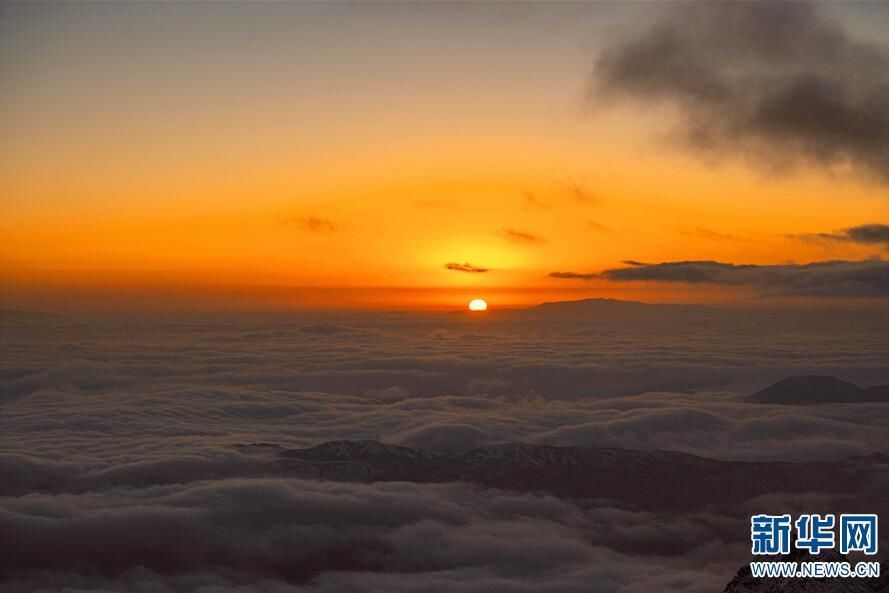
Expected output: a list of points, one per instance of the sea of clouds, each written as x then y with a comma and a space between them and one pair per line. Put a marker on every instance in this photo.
122, 471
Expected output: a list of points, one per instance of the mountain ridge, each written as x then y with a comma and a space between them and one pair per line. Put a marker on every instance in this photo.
651, 479
818, 389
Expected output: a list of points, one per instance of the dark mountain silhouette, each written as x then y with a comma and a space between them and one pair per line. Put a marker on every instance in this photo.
583, 305
597, 309
649, 479
818, 389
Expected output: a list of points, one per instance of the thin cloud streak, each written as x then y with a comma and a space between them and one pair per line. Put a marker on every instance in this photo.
516, 236
466, 267
315, 224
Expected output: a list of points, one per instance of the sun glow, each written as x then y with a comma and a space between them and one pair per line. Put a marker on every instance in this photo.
478, 305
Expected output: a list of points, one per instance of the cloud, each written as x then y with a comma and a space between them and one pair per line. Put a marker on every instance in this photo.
315, 224
268, 360
581, 193
589, 275
707, 233
826, 278
776, 81
533, 200
865, 234
465, 267
868, 233
521, 236
187, 391
150, 467
574, 275
277, 535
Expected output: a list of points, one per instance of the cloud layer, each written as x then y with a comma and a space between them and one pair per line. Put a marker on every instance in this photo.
660, 378
280, 534
124, 467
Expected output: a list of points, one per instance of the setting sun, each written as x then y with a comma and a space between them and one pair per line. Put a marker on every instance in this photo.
478, 305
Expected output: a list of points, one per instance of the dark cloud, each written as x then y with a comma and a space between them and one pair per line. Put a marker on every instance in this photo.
777, 81
865, 234
827, 278
521, 236
465, 267
573, 275
868, 233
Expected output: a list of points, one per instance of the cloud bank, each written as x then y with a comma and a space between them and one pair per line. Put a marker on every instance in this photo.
278, 535
827, 278
189, 389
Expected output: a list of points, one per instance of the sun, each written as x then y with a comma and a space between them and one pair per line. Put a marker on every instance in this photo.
478, 305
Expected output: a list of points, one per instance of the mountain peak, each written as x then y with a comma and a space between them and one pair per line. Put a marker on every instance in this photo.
591, 302
817, 389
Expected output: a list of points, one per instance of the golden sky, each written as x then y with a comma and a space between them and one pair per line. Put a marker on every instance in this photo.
308, 155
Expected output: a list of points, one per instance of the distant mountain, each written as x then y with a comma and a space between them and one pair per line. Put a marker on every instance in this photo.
818, 389
650, 479
592, 308
745, 582
589, 304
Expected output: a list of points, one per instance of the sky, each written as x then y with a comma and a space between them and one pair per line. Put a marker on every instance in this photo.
208, 155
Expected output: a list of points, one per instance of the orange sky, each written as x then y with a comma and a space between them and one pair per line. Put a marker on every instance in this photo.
165, 168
